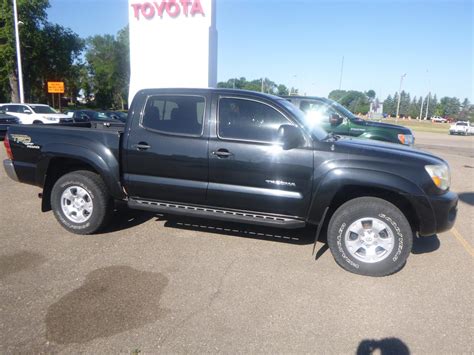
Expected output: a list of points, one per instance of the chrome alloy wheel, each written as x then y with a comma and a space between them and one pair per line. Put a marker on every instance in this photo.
369, 240
76, 204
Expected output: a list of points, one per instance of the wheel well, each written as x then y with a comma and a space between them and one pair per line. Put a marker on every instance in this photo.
58, 167
350, 192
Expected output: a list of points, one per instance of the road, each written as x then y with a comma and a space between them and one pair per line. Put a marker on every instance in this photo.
153, 284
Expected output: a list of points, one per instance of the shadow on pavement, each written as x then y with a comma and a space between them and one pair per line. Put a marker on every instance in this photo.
301, 236
422, 245
111, 300
124, 218
384, 346
467, 197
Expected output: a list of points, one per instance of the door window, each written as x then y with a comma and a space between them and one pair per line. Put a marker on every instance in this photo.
321, 113
174, 114
249, 120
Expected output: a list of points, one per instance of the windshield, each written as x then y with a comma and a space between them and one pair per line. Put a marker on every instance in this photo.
461, 124
42, 109
317, 131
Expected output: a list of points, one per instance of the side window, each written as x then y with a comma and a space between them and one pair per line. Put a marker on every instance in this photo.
322, 113
249, 120
174, 114
12, 108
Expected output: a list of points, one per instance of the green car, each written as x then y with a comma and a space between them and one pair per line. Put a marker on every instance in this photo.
335, 118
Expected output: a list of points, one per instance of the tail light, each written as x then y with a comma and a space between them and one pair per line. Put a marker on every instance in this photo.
6, 143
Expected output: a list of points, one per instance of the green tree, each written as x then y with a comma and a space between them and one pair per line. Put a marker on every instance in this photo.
389, 106
109, 69
371, 95
282, 90
449, 107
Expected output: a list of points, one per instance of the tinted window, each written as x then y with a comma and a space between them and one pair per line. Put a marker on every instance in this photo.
249, 120
42, 109
175, 114
13, 108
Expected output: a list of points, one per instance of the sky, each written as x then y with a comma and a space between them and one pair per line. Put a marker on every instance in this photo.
301, 43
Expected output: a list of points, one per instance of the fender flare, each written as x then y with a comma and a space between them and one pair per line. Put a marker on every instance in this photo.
101, 160
336, 180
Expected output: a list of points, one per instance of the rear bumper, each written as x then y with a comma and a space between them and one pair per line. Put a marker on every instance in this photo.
439, 214
10, 169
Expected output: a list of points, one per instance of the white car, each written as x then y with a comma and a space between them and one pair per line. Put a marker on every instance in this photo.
34, 113
438, 119
461, 127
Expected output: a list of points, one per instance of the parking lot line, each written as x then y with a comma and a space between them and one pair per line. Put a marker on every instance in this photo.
463, 242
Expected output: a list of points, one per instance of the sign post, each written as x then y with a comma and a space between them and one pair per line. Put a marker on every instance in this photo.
173, 43
56, 87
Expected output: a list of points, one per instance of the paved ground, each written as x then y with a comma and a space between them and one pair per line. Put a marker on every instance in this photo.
155, 285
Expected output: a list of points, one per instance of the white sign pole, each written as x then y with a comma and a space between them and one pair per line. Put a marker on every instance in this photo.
173, 43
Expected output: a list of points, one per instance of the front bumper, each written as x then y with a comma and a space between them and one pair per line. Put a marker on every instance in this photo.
439, 213
10, 169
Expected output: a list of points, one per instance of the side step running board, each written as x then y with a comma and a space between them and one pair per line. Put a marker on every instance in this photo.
218, 214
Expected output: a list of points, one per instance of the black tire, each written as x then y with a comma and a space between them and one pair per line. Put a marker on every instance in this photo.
96, 195
397, 230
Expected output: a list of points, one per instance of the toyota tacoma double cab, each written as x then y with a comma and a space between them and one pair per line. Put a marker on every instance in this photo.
239, 156
335, 118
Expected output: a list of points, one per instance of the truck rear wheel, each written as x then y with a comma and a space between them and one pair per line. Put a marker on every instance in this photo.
370, 236
81, 203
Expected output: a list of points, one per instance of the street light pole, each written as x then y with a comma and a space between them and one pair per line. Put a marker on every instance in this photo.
399, 95
18, 54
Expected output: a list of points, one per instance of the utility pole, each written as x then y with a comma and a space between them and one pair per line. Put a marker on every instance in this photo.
399, 95
18, 54
342, 70
261, 90
427, 105
421, 109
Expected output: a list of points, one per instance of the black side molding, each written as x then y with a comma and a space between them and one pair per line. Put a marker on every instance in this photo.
217, 214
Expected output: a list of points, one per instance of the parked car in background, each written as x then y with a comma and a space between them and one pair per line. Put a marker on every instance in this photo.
438, 119
117, 115
96, 116
35, 113
335, 118
5, 122
461, 127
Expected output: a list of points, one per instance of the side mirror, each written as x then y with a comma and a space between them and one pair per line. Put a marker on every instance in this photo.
290, 136
28, 112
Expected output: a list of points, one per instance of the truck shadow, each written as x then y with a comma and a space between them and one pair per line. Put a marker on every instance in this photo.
467, 197
423, 245
302, 236
382, 346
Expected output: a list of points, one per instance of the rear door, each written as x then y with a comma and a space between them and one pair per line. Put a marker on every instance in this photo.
248, 170
167, 148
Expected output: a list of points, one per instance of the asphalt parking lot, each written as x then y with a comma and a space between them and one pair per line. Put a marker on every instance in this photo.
157, 284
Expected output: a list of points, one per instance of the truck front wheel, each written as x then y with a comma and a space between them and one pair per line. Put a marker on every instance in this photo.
370, 236
81, 203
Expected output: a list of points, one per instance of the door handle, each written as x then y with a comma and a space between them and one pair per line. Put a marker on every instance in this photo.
222, 153
142, 146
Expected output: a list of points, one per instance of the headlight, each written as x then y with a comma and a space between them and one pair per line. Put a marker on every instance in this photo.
406, 139
440, 175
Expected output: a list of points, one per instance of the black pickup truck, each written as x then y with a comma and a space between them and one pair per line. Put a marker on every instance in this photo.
243, 157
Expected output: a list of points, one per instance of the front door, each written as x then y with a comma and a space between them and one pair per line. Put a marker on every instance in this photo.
166, 157
248, 170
